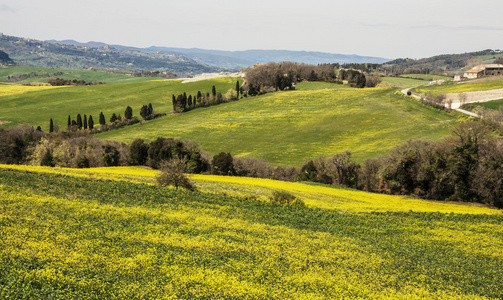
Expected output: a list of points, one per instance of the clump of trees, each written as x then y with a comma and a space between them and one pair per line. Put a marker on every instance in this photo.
467, 166
61, 81
173, 174
283, 76
183, 103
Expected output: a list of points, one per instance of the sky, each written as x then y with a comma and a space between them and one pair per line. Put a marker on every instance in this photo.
381, 28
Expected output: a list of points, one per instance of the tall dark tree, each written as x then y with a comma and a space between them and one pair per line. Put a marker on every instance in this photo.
51, 126
138, 152
189, 101
85, 122
150, 110
69, 121
102, 119
144, 112
91, 122
237, 88
111, 156
173, 99
213, 91
79, 121
113, 118
222, 164
128, 114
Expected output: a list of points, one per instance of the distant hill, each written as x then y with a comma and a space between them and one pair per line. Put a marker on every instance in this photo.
452, 63
239, 59
29, 52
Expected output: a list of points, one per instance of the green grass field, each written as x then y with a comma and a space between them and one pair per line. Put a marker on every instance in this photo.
290, 127
81, 238
496, 105
36, 108
87, 75
485, 84
402, 82
427, 77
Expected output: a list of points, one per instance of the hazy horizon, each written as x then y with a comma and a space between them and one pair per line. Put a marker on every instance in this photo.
388, 28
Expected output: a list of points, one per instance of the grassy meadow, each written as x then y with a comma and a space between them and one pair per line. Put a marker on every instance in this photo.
43, 74
72, 237
290, 127
402, 82
36, 108
495, 105
484, 84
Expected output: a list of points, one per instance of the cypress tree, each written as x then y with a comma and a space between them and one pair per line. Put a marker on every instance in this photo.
51, 126
113, 118
69, 121
189, 101
91, 122
174, 102
102, 119
128, 114
85, 122
237, 89
79, 121
213, 91
150, 110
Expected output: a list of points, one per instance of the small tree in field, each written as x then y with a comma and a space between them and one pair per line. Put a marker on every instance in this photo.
51, 126
102, 119
91, 122
128, 114
172, 173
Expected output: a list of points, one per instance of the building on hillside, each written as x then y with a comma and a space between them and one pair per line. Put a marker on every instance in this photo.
484, 70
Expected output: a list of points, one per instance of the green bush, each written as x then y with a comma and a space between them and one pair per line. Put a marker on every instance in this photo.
283, 197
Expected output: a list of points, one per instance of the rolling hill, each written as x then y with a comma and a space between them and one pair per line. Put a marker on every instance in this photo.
72, 237
35, 53
238, 59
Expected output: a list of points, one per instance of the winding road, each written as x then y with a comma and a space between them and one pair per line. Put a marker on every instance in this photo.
404, 91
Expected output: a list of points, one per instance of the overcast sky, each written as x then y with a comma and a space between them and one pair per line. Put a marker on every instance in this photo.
383, 28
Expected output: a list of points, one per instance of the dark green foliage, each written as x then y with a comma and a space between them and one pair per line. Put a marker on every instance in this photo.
113, 118
237, 88
91, 122
85, 122
47, 159
39, 128
150, 110
128, 114
213, 91
138, 152
222, 164
69, 121
51, 126
102, 119
308, 172
82, 162
79, 121
285, 198
111, 156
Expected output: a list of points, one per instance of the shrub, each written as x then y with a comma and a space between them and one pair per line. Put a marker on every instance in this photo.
283, 197
173, 174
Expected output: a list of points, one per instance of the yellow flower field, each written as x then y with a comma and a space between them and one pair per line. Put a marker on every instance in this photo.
321, 196
14, 89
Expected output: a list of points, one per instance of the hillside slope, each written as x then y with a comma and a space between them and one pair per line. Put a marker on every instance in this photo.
66, 237
290, 127
29, 52
238, 59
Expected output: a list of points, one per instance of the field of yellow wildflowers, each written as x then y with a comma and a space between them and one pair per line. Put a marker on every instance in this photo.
109, 234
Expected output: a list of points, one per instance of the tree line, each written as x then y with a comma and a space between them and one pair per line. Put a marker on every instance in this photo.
183, 103
273, 76
82, 122
467, 166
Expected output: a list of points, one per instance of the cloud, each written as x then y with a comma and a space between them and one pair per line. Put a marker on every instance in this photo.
462, 28
7, 8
